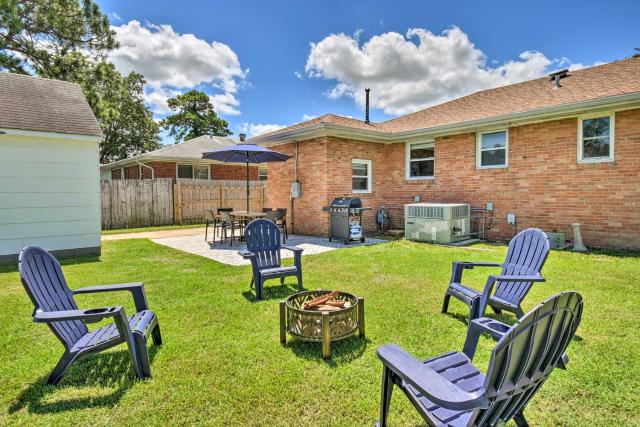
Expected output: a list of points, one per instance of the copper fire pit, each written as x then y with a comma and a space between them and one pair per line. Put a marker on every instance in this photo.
321, 326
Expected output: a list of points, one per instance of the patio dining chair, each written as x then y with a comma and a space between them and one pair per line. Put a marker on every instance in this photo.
526, 255
448, 390
210, 220
282, 221
275, 216
54, 304
228, 227
263, 250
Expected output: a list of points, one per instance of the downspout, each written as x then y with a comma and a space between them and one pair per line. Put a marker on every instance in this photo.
146, 166
295, 174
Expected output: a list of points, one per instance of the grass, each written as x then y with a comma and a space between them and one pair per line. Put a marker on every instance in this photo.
154, 228
222, 362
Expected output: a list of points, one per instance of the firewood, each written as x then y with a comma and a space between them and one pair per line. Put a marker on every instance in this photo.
320, 300
335, 303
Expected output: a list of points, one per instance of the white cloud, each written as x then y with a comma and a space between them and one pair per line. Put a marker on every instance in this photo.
416, 70
306, 117
255, 129
298, 75
157, 99
177, 62
115, 17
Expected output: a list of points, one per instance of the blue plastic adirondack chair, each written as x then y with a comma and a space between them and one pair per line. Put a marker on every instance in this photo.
449, 390
54, 304
263, 249
526, 255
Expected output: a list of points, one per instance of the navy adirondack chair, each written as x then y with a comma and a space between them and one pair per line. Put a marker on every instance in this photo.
263, 249
54, 304
526, 255
448, 390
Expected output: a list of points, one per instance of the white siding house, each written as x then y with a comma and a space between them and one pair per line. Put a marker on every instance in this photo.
49, 168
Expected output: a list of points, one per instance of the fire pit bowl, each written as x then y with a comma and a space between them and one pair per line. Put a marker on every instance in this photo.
318, 325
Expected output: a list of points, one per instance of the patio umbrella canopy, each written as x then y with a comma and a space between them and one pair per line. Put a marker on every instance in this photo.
245, 153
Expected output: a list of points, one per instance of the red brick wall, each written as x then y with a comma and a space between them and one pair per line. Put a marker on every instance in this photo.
544, 184
163, 169
233, 172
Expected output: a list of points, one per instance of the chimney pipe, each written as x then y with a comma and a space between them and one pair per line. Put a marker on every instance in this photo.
366, 108
242, 137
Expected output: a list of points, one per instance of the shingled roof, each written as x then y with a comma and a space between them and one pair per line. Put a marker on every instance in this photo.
45, 105
602, 81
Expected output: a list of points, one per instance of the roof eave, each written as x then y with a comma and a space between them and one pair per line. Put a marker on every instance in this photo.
321, 130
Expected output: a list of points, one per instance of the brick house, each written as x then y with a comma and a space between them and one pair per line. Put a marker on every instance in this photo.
183, 160
552, 151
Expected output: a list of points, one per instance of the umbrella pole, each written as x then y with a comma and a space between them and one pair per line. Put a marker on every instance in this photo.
247, 183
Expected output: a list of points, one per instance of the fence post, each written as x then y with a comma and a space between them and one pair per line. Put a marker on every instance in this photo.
177, 210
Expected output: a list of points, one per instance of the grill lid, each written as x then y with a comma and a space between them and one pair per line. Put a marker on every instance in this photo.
346, 202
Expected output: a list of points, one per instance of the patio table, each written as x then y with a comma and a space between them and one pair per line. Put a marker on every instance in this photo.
246, 216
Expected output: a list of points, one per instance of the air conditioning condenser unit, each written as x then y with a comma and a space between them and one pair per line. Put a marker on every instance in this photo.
437, 222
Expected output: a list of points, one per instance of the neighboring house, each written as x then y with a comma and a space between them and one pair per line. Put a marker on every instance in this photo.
49, 176
183, 160
552, 152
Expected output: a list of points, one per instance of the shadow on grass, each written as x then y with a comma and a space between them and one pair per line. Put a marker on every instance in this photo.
270, 292
13, 267
112, 370
342, 352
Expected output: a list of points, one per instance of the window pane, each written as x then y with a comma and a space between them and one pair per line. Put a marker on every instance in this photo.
421, 152
185, 171
262, 174
201, 172
494, 140
359, 169
493, 157
598, 147
421, 168
359, 183
595, 127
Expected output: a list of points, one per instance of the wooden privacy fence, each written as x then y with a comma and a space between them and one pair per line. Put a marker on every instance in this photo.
148, 202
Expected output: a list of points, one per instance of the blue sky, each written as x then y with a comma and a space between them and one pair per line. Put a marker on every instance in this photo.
273, 63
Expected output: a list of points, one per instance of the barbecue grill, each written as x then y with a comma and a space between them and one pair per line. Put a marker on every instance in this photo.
345, 214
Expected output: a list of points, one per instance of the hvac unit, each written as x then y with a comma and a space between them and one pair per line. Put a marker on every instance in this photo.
437, 222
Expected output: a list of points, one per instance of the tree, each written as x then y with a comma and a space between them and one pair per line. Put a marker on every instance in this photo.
194, 116
36, 33
118, 103
67, 40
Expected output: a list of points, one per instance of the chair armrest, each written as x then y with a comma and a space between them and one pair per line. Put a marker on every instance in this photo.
88, 315
428, 382
488, 288
136, 289
246, 254
469, 265
294, 249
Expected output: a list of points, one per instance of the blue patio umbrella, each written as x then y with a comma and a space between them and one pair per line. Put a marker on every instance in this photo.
245, 153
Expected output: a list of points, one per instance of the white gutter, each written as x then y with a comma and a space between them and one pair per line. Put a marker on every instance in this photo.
619, 102
143, 158
50, 135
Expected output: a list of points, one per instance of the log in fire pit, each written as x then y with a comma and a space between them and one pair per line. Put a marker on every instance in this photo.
321, 316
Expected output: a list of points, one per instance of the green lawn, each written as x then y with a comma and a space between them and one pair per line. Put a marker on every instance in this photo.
222, 362
154, 228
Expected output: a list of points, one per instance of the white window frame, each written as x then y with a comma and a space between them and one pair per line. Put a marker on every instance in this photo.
266, 173
612, 126
184, 164
408, 160
479, 149
369, 175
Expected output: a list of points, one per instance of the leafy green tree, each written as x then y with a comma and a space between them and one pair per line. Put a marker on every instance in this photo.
118, 102
194, 116
34, 34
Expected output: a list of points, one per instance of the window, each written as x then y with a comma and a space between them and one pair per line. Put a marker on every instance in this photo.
361, 176
185, 171
262, 173
595, 138
201, 171
492, 149
420, 160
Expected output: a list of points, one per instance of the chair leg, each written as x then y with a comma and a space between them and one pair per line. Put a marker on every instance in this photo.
282, 280
251, 285
156, 335
206, 229
496, 310
61, 367
385, 401
259, 289
445, 303
143, 355
471, 342
520, 420
519, 312
300, 288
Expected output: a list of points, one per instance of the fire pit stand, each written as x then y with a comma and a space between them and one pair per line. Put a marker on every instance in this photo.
321, 326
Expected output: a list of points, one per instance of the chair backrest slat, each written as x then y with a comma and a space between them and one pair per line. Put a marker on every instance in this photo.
47, 288
526, 355
263, 239
526, 255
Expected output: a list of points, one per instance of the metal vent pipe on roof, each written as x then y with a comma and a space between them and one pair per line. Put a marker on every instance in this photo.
366, 108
